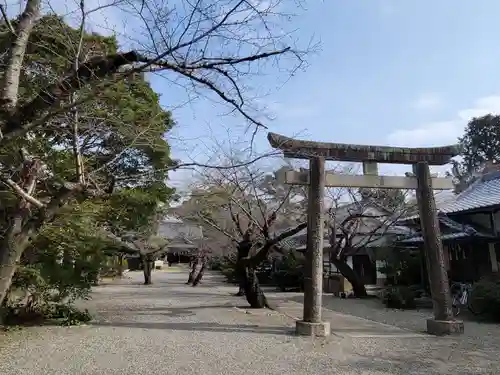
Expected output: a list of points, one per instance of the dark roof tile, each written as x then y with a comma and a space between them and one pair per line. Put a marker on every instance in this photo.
484, 192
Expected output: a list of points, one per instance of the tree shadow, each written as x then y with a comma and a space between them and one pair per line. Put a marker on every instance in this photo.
202, 327
166, 311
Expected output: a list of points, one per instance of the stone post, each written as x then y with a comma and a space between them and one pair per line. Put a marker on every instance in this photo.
313, 279
443, 322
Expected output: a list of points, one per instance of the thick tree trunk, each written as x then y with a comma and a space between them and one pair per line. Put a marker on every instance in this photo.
17, 237
241, 290
10, 255
358, 286
253, 293
198, 278
192, 273
249, 283
147, 267
9, 85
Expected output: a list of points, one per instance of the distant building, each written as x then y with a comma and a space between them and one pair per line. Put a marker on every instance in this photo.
470, 229
184, 239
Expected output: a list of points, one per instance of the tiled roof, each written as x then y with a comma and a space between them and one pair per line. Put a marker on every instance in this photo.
482, 193
485, 192
449, 236
450, 229
179, 231
371, 238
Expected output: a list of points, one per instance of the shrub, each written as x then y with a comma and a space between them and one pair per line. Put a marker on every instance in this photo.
43, 292
216, 263
399, 297
290, 273
485, 298
227, 267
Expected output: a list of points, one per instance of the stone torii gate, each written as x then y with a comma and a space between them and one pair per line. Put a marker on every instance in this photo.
422, 182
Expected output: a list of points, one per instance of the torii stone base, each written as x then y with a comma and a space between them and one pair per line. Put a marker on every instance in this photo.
445, 327
321, 329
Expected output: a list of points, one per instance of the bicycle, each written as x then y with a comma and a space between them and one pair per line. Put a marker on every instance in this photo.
460, 298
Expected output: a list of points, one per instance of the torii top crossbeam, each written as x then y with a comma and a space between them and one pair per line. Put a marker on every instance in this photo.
299, 149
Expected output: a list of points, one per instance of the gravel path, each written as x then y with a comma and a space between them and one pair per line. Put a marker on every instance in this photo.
477, 336
171, 328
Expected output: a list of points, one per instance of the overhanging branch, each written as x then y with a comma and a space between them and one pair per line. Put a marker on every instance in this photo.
264, 251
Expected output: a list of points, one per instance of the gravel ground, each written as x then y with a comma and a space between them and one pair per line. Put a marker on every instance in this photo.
171, 328
482, 336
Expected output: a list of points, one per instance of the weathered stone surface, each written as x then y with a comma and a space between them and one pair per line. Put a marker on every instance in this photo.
299, 149
445, 327
313, 275
433, 246
321, 329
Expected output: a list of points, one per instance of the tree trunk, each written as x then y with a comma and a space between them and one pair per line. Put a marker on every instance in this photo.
241, 290
147, 266
10, 255
192, 273
243, 249
200, 274
248, 278
120, 265
358, 286
17, 237
253, 293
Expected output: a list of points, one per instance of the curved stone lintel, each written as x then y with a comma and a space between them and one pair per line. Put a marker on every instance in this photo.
299, 149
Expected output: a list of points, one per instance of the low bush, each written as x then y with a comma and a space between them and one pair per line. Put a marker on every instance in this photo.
485, 298
290, 273
46, 291
227, 266
399, 297
216, 263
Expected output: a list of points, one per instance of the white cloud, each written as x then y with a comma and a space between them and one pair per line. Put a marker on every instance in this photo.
428, 101
444, 132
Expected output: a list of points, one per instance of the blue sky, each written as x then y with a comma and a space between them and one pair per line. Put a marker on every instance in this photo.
389, 72
393, 72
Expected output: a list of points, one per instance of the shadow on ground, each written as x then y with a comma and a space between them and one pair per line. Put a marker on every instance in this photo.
166, 311
203, 327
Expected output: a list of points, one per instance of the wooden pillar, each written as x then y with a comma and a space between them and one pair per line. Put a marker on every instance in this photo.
434, 256
493, 257
313, 280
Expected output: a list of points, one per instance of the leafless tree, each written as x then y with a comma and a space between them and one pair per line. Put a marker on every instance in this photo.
207, 47
145, 246
198, 265
237, 203
358, 225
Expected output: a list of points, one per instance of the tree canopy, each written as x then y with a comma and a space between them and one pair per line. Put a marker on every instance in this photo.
480, 149
114, 143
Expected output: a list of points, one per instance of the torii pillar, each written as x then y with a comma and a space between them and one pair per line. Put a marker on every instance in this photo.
317, 152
